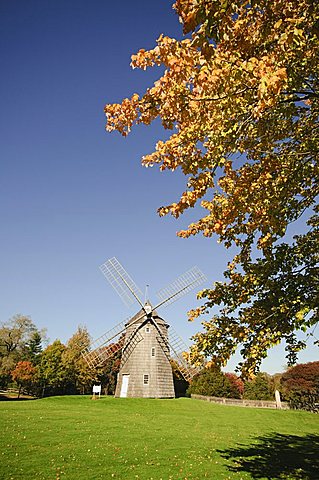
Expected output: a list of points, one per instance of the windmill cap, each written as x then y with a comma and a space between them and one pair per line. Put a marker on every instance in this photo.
141, 316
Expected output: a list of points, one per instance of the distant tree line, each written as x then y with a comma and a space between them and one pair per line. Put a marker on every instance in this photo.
32, 366
298, 385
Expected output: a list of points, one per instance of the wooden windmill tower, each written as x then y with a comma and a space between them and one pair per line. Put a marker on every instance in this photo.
147, 342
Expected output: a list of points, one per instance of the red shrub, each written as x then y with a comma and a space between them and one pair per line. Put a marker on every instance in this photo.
300, 385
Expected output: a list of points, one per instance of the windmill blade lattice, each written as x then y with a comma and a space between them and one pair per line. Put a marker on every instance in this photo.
97, 358
174, 348
181, 286
178, 347
120, 280
105, 346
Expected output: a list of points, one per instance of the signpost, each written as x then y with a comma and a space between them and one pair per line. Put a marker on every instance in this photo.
96, 389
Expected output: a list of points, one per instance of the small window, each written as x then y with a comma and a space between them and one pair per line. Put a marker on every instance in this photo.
146, 379
147, 329
153, 352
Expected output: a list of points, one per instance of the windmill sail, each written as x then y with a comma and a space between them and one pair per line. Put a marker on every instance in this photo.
98, 356
120, 280
107, 344
176, 349
181, 286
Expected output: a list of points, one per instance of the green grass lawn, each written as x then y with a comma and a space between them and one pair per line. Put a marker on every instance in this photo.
66, 438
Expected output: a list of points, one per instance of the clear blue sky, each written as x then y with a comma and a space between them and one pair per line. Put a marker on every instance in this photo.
71, 195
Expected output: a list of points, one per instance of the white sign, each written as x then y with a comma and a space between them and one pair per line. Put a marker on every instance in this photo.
97, 389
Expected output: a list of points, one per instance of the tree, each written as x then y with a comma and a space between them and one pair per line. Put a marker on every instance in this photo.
34, 348
213, 382
79, 375
300, 386
24, 374
107, 373
15, 333
259, 388
17, 337
240, 94
52, 373
237, 385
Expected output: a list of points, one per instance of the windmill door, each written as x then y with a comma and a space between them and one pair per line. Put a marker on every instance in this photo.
124, 387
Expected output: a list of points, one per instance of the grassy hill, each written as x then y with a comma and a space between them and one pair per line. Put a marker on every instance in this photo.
66, 438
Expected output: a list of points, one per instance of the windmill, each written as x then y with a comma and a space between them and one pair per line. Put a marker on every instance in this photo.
147, 342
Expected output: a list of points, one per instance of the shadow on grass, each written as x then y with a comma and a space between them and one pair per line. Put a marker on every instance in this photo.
277, 456
10, 398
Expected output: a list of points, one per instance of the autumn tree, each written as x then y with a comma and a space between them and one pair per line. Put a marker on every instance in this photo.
24, 375
237, 385
18, 339
108, 372
240, 96
79, 375
300, 386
